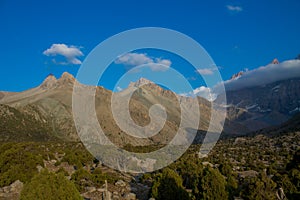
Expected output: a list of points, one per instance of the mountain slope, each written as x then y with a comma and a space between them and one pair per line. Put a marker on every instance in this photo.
20, 126
51, 102
263, 106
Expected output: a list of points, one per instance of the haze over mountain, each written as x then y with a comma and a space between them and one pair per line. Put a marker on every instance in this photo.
263, 97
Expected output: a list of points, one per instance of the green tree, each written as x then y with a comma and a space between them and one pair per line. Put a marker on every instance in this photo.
49, 186
260, 188
18, 163
82, 179
212, 185
168, 186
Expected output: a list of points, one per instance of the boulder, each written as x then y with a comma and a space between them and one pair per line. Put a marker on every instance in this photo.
130, 196
120, 183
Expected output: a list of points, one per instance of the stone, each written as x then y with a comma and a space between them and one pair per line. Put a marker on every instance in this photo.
134, 189
101, 190
6, 189
120, 183
130, 196
16, 186
91, 189
39, 168
106, 195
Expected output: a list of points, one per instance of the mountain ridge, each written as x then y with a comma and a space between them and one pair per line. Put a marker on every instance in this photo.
51, 102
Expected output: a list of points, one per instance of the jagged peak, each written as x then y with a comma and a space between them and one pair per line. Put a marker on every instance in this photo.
142, 81
66, 79
237, 75
67, 75
275, 61
49, 82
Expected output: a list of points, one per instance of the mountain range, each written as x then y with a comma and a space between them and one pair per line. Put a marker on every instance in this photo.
45, 112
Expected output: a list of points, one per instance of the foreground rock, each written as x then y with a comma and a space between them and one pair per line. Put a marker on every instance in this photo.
11, 192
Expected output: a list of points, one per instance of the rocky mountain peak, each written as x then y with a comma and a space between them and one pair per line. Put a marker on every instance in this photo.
66, 79
237, 75
142, 81
275, 61
67, 76
49, 82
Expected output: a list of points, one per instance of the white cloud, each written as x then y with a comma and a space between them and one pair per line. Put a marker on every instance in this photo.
136, 59
234, 8
202, 91
205, 92
263, 75
206, 71
119, 89
70, 53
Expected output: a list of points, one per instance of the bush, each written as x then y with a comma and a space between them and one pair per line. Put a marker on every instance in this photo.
17, 163
48, 186
212, 185
167, 186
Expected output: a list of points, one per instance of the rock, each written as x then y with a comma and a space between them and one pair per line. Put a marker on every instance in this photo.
106, 195
39, 168
11, 192
207, 164
101, 190
130, 196
120, 183
133, 189
115, 195
91, 189
6, 189
16, 186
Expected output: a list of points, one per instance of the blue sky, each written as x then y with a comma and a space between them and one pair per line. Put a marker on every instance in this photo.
237, 34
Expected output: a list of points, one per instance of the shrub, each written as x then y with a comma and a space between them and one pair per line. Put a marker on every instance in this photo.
49, 186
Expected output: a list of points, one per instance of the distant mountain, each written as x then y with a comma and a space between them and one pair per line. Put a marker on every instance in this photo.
237, 75
262, 106
50, 108
290, 126
45, 112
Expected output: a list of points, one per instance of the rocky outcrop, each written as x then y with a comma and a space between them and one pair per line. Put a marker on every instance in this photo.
275, 61
49, 83
263, 106
66, 79
119, 191
237, 75
11, 192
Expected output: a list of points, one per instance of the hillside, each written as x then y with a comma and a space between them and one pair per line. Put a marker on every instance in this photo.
263, 106
51, 104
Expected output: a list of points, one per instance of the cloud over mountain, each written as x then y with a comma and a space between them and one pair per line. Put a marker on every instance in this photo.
202, 91
136, 59
70, 53
264, 75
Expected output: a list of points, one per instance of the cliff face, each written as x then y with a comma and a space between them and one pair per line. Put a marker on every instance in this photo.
265, 105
